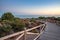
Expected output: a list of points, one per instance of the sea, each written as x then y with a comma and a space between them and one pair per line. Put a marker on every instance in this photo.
28, 16
34, 16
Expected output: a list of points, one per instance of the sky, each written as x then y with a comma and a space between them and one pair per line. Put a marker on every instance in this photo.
30, 7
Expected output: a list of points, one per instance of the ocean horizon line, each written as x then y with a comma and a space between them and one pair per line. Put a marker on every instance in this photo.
33, 16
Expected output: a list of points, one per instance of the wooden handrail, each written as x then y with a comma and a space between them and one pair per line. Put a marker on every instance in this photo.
12, 35
40, 32
19, 36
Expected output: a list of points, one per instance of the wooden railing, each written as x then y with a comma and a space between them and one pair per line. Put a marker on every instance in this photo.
24, 33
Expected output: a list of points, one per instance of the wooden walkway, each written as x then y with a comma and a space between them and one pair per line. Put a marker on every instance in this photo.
52, 32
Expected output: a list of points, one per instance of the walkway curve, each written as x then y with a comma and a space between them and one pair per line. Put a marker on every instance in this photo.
52, 32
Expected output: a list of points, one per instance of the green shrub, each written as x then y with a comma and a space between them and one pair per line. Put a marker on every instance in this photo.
7, 16
5, 30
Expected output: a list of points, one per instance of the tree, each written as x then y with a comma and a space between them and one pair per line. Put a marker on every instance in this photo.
7, 16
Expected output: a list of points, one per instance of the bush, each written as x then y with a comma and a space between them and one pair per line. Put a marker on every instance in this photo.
58, 18
10, 24
7, 16
5, 30
17, 28
18, 25
32, 20
41, 17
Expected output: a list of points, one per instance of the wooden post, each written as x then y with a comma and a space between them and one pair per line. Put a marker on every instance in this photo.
25, 33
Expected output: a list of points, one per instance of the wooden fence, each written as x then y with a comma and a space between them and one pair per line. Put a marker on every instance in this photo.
19, 35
